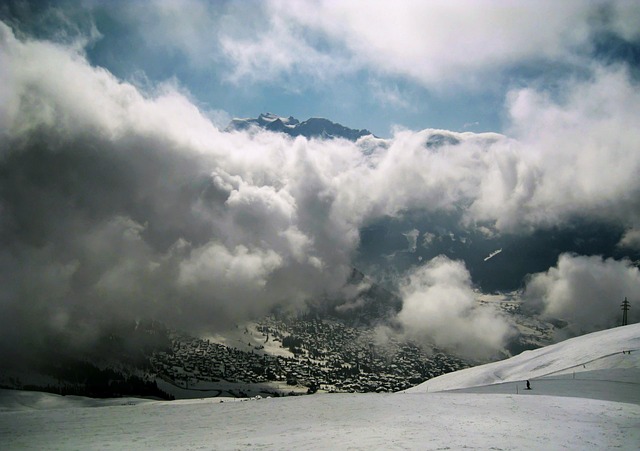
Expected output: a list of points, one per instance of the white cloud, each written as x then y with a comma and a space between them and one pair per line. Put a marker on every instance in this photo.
436, 44
571, 156
439, 307
279, 50
149, 209
585, 291
238, 275
412, 238
427, 239
631, 239
444, 43
390, 94
137, 198
190, 27
563, 158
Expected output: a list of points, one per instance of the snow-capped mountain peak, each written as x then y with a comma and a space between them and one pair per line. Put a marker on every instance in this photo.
311, 128
266, 118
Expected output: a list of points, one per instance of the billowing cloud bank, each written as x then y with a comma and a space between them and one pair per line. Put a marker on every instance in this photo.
440, 306
585, 291
117, 204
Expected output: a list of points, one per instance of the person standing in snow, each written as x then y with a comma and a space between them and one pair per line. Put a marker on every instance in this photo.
528, 386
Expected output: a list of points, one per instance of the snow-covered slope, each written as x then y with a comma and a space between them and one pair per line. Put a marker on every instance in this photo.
604, 354
344, 421
418, 420
19, 400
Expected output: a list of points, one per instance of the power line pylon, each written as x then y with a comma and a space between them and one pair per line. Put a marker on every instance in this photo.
625, 309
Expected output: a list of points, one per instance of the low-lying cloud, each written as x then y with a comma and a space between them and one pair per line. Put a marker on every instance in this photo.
440, 307
117, 204
587, 292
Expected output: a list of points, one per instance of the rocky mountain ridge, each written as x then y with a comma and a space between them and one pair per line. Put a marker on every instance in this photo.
314, 127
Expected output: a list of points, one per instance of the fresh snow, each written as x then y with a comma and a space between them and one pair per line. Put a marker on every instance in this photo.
340, 421
600, 351
247, 337
500, 415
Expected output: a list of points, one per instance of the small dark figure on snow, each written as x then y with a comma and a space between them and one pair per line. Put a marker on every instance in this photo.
528, 386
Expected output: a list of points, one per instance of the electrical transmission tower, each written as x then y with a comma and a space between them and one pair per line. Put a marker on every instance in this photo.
625, 309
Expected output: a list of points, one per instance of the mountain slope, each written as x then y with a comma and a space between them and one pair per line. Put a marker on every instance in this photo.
596, 355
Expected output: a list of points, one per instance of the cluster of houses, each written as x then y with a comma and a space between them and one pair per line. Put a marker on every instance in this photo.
194, 359
323, 355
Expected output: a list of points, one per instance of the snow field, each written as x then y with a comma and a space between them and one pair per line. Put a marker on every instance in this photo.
337, 421
596, 351
489, 409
